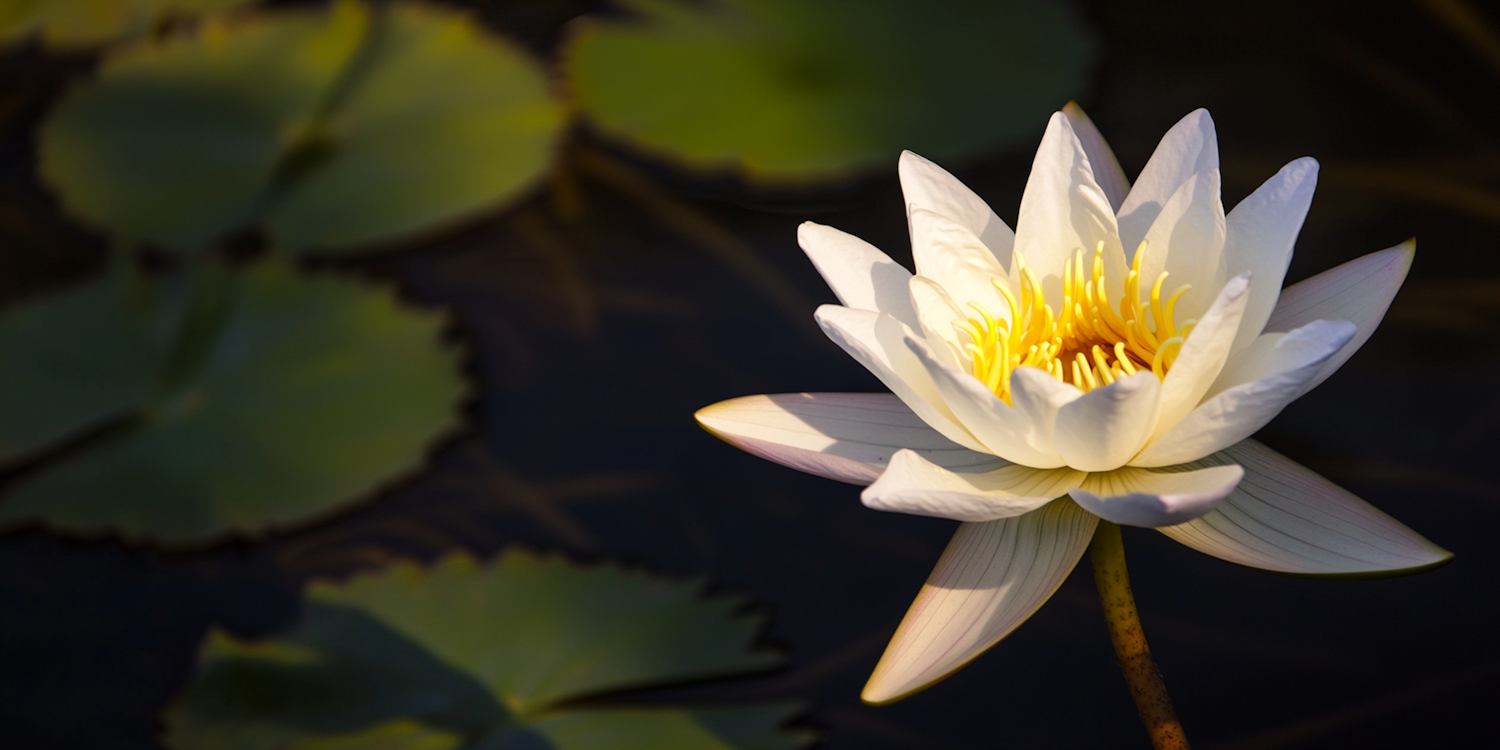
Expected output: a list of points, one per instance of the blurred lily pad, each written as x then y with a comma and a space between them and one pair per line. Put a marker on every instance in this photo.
473, 655
308, 394
786, 90
86, 23
332, 127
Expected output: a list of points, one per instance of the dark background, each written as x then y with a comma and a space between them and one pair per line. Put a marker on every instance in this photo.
591, 362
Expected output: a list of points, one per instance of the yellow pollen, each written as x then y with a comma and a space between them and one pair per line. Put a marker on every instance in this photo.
1092, 342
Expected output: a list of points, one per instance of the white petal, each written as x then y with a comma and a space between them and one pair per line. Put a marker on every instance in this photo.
953, 257
1153, 497
845, 436
1285, 518
1038, 397
1064, 210
863, 277
1234, 414
915, 485
1188, 148
1262, 230
877, 341
1202, 356
937, 313
1359, 291
1105, 427
1107, 171
930, 187
1003, 431
991, 578
1187, 242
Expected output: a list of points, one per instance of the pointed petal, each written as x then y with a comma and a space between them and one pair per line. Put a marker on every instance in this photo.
1105, 427
1003, 431
1359, 291
863, 277
1038, 397
845, 436
1107, 171
1262, 230
1187, 243
991, 578
876, 341
955, 259
1188, 148
1153, 497
1063, 210
915, 485
1287, 363
930, 187
1203, 355
1287, 519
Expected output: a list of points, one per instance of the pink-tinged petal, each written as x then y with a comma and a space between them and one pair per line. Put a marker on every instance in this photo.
1063, 210
1155, 497
877, 341
914, 485
953, 257
1232, 415
929, 187
1190, 147
1262, 230
1003, 431
850, 437
1103, 428
1202, 355
860, 275
1284, 518
1107, 171
1359, 291
1187, 243
991, 578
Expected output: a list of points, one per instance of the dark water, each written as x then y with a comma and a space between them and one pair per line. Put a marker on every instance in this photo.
589, 370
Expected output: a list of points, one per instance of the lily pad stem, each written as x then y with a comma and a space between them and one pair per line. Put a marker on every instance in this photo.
1107, 553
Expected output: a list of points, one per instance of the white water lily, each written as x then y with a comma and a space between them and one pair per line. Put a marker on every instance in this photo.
1107, 359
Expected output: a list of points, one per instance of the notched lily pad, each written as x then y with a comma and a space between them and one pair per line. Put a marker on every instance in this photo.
331, 127
787, 90
72, 24
472, 655
311, 393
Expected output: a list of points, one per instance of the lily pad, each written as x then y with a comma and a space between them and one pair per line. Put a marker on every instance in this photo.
332, 128
68, 24
787, 90
471, 655
309, 393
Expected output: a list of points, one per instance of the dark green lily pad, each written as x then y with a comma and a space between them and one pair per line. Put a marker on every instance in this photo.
789, 90
88, 23
309, 393
473, 655
332, 128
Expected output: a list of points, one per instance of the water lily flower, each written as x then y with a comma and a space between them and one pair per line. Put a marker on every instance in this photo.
1108, 359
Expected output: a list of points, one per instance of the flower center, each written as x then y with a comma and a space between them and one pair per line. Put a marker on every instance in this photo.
1091, 343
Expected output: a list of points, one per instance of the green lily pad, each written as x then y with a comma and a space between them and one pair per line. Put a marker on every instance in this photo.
473, 655
332, 128
787, 90
308, 393
63, 24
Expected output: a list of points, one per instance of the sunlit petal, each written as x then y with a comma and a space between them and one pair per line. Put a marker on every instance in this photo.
915, 485
1262, 230
1155, 497
1190, 147
859, 274
1107, 171
1102, 429
930, 187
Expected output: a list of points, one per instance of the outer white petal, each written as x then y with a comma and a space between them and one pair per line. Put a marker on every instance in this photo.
930, 187
1285, 518
1202, 355
915, 485
1105, 427
1153, 497
953, 257
1064, 210
850, 437
1188, 148
1262, 230
877, 341
991, 578
1005, 432
1187, 242
1236, 413
1359, 291
860, 275
1107, 171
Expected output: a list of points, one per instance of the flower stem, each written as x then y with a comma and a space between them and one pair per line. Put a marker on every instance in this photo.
1107, 553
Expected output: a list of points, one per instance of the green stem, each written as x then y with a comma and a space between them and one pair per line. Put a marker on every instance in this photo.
1107, 553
